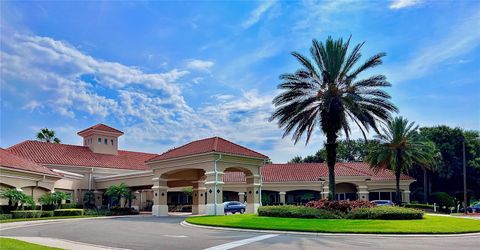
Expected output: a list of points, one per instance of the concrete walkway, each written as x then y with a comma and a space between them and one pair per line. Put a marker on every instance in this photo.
64, 244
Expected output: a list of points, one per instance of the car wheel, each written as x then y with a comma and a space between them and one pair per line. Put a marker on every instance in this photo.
242, 211
233, 212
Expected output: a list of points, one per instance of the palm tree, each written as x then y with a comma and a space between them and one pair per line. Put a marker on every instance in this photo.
399, 148
47, 135
328, 94
118, 191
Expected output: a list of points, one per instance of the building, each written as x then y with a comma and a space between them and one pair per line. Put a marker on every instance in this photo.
215, 168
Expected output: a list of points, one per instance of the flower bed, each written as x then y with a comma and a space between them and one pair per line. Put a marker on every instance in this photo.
343, 206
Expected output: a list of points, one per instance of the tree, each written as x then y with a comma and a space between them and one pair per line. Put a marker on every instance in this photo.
47, 135
89, 199
328, 94
448, 175
53, 199
14, 196
118, 191
296, 159
399, 148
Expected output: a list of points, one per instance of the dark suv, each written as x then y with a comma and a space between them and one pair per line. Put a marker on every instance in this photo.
234, 207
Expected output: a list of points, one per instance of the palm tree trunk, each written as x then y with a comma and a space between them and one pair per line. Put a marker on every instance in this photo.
331, 147
398, 193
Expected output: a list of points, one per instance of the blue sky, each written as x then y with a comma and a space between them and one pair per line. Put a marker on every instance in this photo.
167, 73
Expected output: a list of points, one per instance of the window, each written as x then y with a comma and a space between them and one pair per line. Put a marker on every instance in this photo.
111, 141
105, 141
99, 140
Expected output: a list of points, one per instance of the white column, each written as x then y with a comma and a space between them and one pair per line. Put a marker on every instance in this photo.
282, 197
241, 197
160, 187
253, 193
362, 193
406, 196
214, 192
198, 197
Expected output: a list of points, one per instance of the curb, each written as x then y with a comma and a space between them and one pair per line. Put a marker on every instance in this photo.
460, 235
20, 224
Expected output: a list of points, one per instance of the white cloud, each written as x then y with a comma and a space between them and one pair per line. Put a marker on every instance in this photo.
201, 65
459, 40
400, 4
257, 13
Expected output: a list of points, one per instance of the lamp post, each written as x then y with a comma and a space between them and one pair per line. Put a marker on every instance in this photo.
464, 178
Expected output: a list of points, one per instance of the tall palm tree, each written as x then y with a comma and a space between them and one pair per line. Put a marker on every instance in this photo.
399, 149
328, 93
47, 135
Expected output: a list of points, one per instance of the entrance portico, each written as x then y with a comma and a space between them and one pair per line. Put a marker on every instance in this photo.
203, 170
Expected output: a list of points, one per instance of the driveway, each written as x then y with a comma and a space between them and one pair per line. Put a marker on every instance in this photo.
147, 232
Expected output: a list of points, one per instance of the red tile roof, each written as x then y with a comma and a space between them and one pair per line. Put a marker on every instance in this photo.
9, 160
214, 144
101, 127
72, 155
291, 172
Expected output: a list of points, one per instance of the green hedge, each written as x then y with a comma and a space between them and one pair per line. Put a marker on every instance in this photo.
71, 205
290, 211
26, 214
419, 206
68, 212
47, 214
5, 216
121, 211
385, 213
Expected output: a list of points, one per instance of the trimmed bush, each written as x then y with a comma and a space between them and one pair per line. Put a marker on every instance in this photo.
71, 205
26, 214
47, 214
291, 211
5, 216
385, 213
121, 211
419, 206
343, 206
442, 199
68, 212
95, 212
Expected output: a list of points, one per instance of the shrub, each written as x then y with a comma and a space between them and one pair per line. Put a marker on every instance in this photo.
291, 211
68, 212
121, 211
442, 199
26, 214
343, 206
5, 216
5, 209
419, 206
89, 199
385, 213
71, 205
96, 212
47, 214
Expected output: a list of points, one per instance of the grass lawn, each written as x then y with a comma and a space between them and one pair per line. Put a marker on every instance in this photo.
47, 218
428, 225
12, 244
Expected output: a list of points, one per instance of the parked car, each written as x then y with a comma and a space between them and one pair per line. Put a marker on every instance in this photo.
383, 203
474, 209
234, 207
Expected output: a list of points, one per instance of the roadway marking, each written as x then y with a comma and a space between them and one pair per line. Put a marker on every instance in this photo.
242, 242
175, 236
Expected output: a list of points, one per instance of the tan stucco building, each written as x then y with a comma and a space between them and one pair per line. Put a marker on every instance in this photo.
216, 169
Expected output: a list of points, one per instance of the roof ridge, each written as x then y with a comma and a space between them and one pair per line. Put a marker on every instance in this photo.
37, 141
241, 146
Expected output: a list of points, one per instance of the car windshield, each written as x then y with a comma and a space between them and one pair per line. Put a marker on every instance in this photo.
381, 202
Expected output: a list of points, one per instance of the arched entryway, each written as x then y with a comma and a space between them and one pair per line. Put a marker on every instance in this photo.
346, 191
270, 197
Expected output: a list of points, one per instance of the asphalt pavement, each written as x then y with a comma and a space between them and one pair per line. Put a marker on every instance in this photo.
148, 232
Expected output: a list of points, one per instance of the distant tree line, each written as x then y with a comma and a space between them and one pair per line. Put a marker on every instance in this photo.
445, 176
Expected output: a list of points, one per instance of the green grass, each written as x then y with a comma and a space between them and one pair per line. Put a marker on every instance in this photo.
13, 244
428, 225
47, 218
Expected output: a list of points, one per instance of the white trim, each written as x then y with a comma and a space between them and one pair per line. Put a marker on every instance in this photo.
204, 154
29, 172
